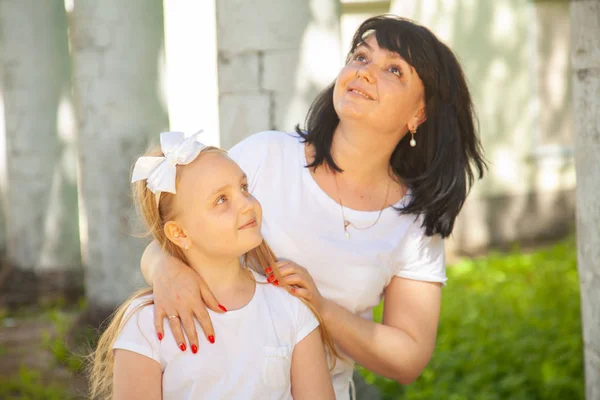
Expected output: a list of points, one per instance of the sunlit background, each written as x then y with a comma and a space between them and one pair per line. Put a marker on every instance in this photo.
86, 85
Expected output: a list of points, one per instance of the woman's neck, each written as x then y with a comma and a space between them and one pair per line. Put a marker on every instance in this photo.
362, 153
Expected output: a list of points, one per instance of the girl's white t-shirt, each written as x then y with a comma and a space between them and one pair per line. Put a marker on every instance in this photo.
251, 356
303, 224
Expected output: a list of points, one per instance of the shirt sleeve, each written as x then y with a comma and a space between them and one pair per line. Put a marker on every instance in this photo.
306, 321
138, 332
420, 257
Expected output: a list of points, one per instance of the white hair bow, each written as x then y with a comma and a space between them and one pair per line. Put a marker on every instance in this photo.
160, 172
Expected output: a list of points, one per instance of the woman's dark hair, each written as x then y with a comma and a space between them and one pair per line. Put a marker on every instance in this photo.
441, 169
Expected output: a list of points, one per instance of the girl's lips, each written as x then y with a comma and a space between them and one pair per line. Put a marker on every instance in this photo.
249, 224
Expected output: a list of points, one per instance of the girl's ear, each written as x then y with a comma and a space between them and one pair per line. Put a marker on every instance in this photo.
176, 235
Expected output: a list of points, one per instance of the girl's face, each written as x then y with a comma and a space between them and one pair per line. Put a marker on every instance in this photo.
216, 213
380, 88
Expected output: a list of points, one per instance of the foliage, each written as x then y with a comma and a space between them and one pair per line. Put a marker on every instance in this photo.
84, 340
28, 385
510, 328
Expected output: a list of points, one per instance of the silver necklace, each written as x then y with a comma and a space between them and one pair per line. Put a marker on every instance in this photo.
347, 223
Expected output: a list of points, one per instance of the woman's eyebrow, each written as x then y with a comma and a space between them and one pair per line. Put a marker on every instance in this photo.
364, 44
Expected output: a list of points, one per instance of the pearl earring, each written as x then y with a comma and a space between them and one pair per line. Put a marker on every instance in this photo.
413, 142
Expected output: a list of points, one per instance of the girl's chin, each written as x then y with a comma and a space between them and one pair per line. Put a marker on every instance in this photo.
253, 242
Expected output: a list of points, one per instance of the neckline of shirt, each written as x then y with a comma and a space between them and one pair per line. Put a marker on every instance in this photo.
251, 305
331, 203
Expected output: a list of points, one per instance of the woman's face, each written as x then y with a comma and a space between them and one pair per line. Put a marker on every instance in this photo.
380, 88
213, 207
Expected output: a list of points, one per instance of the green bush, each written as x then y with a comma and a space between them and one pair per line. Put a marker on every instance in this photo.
510, 328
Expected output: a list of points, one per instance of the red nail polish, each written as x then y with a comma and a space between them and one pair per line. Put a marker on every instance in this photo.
268, 270
276, 283
211, 339
271, 278
222, 308
194, 349
182, 346
160, 336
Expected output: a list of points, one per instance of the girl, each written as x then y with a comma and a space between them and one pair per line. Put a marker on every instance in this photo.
269, 346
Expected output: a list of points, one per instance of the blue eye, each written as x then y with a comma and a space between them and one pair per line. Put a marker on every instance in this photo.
221, 200
360, 57
395, 70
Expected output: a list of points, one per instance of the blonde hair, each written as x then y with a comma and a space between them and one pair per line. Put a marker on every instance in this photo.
101, 361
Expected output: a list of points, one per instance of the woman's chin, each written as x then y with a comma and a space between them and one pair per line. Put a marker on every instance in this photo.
351, 112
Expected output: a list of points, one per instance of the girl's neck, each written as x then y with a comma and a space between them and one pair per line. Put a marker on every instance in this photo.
231, 284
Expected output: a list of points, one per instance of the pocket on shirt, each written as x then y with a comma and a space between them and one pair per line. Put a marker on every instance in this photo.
277, 366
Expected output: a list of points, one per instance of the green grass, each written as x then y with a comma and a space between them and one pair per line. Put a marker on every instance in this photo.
510, 328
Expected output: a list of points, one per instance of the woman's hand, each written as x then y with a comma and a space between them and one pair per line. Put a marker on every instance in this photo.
180, 291
301, 283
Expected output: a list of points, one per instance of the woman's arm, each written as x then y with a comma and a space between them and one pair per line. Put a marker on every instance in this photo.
310, 374
150, 259
401, 346
178, 290
136, 377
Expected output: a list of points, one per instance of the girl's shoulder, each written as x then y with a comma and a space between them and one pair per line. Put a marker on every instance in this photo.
277, 298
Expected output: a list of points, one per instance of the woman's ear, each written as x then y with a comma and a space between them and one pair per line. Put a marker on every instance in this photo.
417, 119
176, 235
422, 114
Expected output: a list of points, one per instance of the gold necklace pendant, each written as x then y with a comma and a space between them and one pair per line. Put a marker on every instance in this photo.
346, 225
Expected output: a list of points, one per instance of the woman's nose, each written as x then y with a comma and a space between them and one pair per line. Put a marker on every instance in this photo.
364, 72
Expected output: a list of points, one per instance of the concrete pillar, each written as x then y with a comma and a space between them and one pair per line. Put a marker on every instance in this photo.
41, 194
585, 58
273, 59
118, 49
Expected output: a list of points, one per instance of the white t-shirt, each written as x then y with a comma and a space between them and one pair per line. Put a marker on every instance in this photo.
303, 224
251, 356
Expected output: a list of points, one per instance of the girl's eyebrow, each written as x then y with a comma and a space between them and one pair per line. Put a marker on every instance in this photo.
222, 188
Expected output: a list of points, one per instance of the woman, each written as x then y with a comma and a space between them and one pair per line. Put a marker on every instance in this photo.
358, 204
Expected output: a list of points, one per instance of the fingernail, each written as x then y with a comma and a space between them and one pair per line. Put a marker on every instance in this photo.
182, 346
211, 339
194, 349
293, 290
268, 270
276, 283
160, 336
271, 278
222, 308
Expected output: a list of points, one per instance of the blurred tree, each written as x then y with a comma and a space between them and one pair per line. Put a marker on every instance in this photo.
118, 54
41, 196
585, 15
